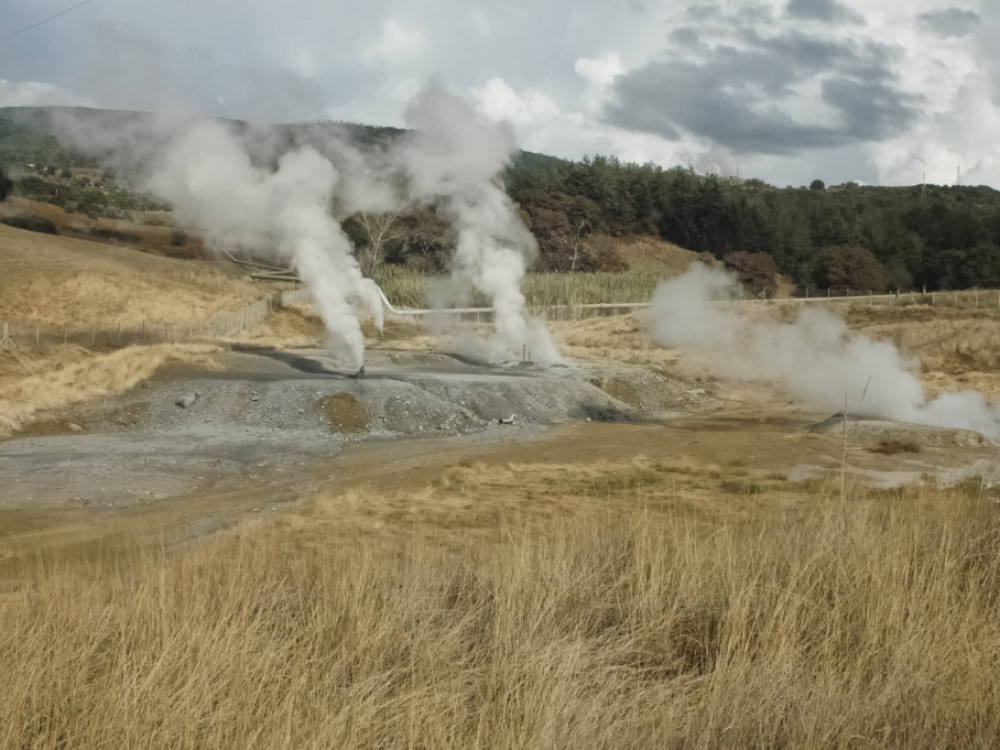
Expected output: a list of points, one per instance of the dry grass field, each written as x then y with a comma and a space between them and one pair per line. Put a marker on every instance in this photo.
609, 586
51, 281
628, 603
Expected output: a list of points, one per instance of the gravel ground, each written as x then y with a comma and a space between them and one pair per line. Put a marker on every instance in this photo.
267, 412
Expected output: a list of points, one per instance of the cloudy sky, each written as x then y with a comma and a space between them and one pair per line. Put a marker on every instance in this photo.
784, 90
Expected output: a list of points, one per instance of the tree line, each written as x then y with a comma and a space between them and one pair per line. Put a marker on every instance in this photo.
846, 235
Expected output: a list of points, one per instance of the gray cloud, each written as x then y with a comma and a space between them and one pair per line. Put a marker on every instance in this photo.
950, 22
822, 10
873, 111
665, 97
685, 36
734, 95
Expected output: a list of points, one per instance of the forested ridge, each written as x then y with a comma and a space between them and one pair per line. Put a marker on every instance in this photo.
941, 237
843, 236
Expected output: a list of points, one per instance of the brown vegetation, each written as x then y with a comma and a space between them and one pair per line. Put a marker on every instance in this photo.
151, 231
56, 280
616, 605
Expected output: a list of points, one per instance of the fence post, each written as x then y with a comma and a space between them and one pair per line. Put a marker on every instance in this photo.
38, 343
6, 342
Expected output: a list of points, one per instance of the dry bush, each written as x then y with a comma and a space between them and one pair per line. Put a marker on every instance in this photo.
610, 611
892, 446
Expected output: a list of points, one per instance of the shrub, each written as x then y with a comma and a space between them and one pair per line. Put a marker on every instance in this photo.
850, 268
30, 223
6, 185
758, 272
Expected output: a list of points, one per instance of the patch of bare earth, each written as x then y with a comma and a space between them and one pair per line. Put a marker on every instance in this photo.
345, 413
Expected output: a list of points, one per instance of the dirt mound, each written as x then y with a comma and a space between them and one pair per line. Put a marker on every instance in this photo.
881, 435
345, 412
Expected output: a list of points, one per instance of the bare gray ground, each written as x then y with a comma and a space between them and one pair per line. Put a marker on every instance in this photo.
272, 412
268, 418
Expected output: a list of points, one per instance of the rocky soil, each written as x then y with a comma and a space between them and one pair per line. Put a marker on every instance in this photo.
271, 411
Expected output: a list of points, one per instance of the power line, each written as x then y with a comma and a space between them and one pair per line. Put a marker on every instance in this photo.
44, 21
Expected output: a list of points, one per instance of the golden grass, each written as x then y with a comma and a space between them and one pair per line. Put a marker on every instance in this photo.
55, 280
31, 383
406, 288
287, 327
957, 348
529, 606
647, 254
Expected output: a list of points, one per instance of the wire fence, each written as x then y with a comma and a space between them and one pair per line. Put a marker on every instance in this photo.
14, 335
117, 334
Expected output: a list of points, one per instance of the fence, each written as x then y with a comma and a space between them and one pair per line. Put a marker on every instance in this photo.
31, 336
119, 334
966, 299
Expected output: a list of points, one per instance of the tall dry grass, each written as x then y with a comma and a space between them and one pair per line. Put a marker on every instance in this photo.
629, 605
412, 289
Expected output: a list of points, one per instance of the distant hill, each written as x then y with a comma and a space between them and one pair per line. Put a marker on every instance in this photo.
587, 215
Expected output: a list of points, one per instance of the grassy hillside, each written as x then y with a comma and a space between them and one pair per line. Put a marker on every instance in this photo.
54, 280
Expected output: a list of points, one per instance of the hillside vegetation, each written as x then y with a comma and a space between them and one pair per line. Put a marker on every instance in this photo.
586, 215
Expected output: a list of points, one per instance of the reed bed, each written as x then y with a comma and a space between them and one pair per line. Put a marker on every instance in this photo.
406, 288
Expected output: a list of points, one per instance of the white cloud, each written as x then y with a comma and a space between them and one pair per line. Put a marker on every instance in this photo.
600, 75
35, 94
397, 44
541, 125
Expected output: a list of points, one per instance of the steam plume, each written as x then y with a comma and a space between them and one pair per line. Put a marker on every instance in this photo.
815, 357
454, 160
206, 171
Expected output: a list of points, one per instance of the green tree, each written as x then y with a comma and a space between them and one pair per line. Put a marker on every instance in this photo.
6, 185
851, 269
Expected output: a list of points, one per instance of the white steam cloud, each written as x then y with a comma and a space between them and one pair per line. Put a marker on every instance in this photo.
453, 160
248, 193
815, 357
212, 182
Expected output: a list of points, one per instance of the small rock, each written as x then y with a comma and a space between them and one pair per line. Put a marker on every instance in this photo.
75, 427
186, 401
